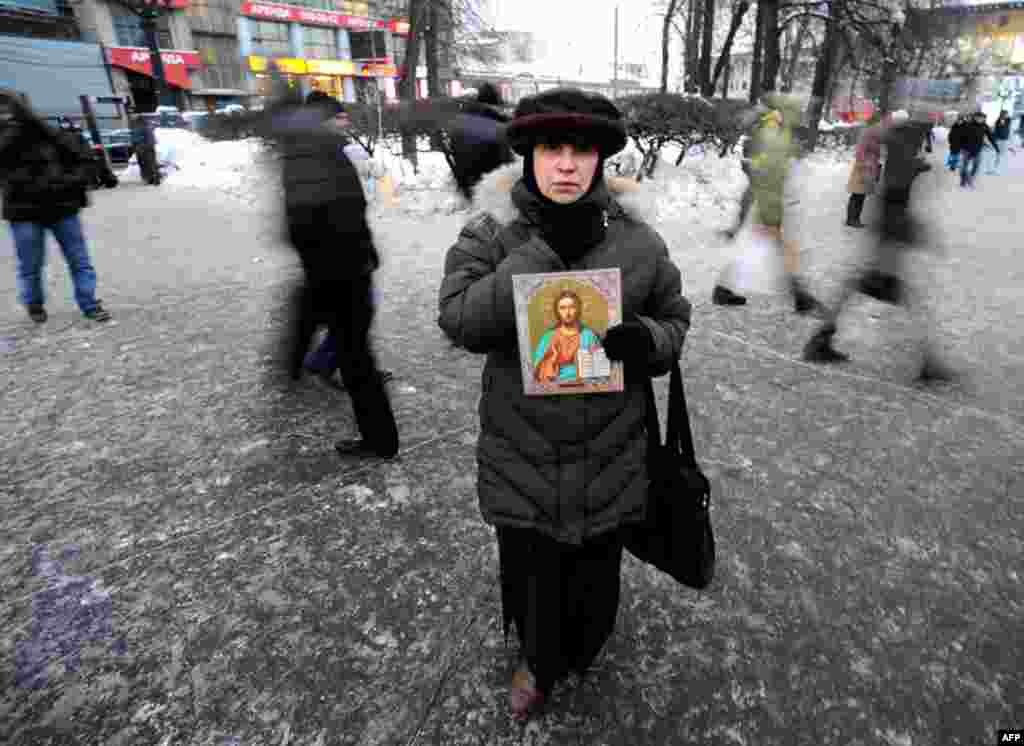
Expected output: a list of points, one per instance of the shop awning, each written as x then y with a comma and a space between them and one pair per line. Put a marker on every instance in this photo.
176, 63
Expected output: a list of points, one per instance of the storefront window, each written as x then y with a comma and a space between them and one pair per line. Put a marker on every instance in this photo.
270, 39
368, 45
214, 16
330, 85
221, 62
129, 33
321, 43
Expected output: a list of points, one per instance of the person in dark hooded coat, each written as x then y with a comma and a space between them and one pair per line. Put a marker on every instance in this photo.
885, 277
325, 211
44, 174
477, 138
560, 476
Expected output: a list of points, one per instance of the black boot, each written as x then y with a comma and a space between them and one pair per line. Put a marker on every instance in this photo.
934, 371
723, 296
803, 301
37, 313
820, 350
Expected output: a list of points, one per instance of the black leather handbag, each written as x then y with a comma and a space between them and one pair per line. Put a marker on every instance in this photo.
676, 535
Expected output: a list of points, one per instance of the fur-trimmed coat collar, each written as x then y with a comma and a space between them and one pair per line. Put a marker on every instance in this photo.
493, 195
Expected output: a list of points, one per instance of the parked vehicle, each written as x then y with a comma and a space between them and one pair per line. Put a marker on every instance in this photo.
118, 143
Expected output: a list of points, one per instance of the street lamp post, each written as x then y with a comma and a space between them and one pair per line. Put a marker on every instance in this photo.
150, 12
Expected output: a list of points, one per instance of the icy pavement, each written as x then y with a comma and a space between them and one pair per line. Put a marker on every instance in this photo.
244, 586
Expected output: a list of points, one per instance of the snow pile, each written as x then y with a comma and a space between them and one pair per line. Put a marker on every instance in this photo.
704, 189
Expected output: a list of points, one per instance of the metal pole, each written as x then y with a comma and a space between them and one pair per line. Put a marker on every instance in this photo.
615, 82
149, 26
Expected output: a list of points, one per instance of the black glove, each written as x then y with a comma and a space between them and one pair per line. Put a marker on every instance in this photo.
630, 342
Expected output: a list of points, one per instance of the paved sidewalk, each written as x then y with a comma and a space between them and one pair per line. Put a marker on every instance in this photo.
227, 579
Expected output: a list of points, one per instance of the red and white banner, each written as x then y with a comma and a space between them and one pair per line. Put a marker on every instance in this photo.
293, 13
176, 63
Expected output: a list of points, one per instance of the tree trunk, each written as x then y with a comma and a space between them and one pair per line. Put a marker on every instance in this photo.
789, 76
755, 60
666, 28
707, 86
408, 83
430, 34
823, 71
770, 42
692, 47
725, 56
726, 79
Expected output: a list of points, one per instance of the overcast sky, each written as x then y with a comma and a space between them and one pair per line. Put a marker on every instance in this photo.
581, 32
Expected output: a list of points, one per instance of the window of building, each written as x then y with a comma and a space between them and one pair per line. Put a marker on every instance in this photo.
213, 16
368, 45
270, 39
129, 33
221, 62
321, 43
354, 7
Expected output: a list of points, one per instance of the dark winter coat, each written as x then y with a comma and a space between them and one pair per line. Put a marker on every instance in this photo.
902, 162
44, 173
325, 207
973, 135
572, 467
478, 144
956, 136
1002, 129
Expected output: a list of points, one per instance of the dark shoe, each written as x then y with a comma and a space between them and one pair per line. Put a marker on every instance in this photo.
935, 372
97, 313
804, 303
728, 235
361, 449
37, 314
819, 350
854, 224
723, 296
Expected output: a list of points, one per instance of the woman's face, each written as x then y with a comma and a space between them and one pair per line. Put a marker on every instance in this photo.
564, 173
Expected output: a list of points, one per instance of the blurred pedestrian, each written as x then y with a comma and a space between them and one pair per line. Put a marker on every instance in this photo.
885, 277
44, 174
325, 211
559, 476
972, 139
144, 145
1001, 136
1020, 130
771, 163
867, 167
477, 137
955, 141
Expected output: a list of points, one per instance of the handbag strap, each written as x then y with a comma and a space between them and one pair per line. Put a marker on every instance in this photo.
679, 437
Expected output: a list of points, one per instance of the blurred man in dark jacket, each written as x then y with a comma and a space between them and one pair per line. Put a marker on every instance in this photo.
478, 139
326, 220
884, 280
972, 139
44, 174
144, 144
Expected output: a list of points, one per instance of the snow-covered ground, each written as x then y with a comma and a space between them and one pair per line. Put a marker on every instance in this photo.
703, 189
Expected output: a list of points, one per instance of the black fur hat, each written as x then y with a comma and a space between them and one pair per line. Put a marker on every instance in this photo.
580, 115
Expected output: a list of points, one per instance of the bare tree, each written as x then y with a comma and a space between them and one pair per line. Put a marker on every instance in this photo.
693, 26
707, 86
666, 28
770, 43
739, 11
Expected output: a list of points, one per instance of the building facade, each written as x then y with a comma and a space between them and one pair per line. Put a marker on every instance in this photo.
219, 52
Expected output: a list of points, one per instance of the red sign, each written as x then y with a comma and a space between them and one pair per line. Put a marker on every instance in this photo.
176, 63
292, 13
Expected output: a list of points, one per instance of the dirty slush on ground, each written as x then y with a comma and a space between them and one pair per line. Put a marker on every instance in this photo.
184, 560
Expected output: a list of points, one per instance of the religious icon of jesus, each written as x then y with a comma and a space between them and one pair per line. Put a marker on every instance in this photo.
556, 358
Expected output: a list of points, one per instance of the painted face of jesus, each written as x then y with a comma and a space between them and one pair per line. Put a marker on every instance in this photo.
568, 311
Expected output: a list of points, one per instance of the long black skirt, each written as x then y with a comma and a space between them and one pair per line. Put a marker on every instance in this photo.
562, 598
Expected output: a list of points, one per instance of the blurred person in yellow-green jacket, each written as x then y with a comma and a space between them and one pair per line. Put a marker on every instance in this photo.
772, 153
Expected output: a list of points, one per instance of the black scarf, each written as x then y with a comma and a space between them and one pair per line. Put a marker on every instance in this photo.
573, 229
